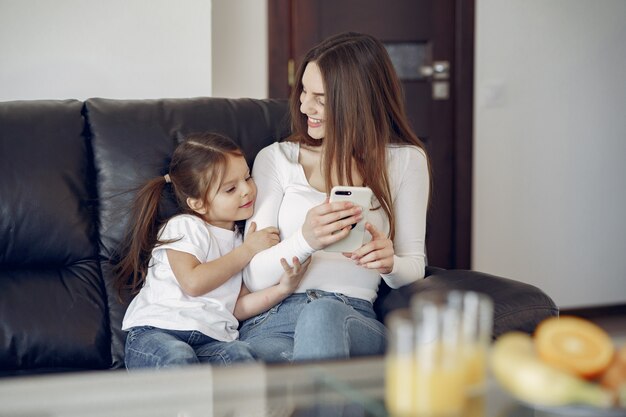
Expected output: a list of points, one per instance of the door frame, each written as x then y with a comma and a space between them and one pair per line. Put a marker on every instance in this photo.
280, 45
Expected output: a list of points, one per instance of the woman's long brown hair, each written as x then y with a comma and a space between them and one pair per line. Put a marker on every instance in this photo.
364, 112
196, 168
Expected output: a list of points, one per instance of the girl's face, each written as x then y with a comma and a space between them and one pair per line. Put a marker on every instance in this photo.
234, 199
312, 100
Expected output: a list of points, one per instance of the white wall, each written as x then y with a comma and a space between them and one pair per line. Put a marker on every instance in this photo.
115, 48
550, 146
240, 61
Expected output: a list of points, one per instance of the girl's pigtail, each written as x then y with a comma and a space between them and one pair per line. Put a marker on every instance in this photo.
141, 238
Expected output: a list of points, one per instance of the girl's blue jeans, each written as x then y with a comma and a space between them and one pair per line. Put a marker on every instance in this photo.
315, 325
151, 347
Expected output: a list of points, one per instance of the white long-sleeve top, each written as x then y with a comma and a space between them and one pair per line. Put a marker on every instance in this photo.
284, 197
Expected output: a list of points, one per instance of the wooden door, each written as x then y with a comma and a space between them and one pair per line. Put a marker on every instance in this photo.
431, 45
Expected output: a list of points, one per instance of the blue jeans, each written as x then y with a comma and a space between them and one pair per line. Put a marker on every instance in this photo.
151, 347
315, 325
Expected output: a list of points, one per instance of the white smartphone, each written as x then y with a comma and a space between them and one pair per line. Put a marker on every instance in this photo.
360, 196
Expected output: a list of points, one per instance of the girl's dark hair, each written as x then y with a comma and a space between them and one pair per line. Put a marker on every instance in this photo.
196, 169
364, 112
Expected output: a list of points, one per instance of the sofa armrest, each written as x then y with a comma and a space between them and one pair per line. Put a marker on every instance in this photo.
517, 305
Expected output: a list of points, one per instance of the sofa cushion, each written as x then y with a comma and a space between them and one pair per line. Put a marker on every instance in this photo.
133, 141
52, 308
517, 305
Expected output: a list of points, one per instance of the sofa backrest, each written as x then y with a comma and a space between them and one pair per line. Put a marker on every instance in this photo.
52, 299
71, 169
133, 141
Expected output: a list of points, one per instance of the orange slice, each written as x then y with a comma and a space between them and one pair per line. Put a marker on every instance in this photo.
575, 345
615, 375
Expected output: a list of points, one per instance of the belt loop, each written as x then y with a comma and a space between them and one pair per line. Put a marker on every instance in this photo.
341, 297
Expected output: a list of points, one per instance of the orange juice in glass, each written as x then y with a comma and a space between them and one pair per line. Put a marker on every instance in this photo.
476, 330
399, 386
439, 380
400, 364
475, 356
475, 406
440, 375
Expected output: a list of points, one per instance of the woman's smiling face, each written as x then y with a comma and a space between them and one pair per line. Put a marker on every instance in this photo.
312, 100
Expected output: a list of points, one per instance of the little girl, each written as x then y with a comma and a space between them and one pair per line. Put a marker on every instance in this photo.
186, 270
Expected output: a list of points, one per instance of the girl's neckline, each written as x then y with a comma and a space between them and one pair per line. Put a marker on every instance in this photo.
220, 231
217, 229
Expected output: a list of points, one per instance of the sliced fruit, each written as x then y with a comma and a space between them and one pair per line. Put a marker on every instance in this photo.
517, 368
575, 345
614, 377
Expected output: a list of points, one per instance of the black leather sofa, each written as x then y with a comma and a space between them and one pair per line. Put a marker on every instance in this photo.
67, 171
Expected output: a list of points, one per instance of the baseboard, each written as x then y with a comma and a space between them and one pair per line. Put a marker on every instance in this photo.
595, 311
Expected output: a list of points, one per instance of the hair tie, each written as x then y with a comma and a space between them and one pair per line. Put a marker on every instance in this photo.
168, 180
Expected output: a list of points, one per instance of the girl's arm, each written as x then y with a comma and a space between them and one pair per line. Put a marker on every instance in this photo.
196, 278
250, 304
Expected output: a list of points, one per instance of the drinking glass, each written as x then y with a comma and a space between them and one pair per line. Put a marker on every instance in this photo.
452, 334
400, 363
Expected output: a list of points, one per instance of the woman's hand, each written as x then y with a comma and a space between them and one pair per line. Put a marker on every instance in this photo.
256, 241
375, 254
329, 223
290, 279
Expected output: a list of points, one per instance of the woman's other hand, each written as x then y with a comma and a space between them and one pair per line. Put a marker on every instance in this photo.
292, 276
329, 223
376, 254
256, 241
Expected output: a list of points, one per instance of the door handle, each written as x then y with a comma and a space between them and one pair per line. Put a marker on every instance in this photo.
439, 73
439, 70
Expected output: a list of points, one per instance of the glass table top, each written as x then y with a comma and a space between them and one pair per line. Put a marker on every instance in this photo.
353, 388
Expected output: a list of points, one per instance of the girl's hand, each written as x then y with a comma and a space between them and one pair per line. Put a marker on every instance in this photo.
261, 240
375, 254
329, 222
292, 276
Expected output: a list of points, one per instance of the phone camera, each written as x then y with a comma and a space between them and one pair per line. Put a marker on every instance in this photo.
343, 192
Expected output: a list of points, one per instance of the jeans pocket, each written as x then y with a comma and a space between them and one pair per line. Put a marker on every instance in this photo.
364, 307
135, 332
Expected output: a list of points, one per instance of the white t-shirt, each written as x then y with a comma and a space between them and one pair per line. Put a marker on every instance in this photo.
284, 196
162, 303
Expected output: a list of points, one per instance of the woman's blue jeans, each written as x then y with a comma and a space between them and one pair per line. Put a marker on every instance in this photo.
151, 347
315, 325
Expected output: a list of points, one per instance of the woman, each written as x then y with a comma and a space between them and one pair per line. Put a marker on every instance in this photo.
349, 128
